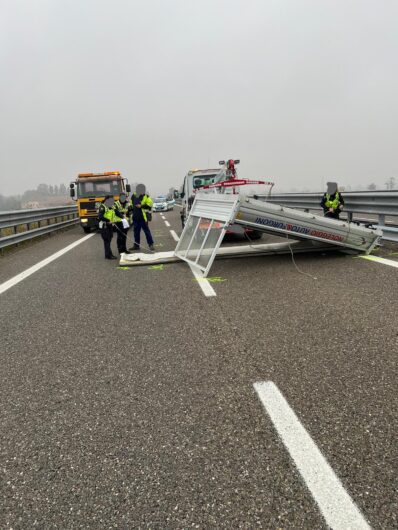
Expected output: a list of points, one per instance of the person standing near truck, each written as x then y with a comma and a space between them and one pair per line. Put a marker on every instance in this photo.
107, 218
141, 204
121, 210
332, 201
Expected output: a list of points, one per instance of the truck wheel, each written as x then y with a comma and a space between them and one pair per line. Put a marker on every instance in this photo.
87, 229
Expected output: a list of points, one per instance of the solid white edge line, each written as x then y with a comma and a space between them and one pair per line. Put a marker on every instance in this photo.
383, 261
19, 277
174, 236
203, 283
334, 502
167, 223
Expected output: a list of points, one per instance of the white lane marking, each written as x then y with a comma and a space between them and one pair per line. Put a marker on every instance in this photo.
19, 277
381, 260
334, 502
174, 235
167, 223
204, 284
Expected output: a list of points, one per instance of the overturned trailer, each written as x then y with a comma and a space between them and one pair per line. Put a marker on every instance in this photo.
212, 214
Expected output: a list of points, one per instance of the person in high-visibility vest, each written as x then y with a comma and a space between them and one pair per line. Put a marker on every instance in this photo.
141, 204
332, 201
121, 210
107, 218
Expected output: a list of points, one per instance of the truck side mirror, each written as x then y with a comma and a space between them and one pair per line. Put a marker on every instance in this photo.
182, 195
128, 188
72, 192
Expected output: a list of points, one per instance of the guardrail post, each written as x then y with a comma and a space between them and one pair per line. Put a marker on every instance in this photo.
382, 219
349, 217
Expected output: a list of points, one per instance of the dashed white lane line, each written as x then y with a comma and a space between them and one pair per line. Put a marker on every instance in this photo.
384, 261
334, 502
19, 277
204, 284
174, 235
167, 223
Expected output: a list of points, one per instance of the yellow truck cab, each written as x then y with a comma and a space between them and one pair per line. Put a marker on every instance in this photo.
90, 189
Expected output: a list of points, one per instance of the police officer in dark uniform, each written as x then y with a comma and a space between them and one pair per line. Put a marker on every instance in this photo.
332, 201
107, 218
141, 204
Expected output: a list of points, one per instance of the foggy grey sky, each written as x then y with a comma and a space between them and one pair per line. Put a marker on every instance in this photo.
301, 90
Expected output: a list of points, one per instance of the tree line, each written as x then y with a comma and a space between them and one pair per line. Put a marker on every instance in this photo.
43, 192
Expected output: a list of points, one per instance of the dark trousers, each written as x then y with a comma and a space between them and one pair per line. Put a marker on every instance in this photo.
138, 225
107, 234
121, 237
332, 215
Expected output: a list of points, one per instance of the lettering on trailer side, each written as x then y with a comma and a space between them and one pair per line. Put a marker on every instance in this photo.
298, 229
326, 235
270, 222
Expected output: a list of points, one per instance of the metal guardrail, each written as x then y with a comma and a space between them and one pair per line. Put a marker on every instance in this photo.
380, 203
19, 218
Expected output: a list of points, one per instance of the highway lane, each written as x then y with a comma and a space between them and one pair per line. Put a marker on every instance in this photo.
128, 401
17, 259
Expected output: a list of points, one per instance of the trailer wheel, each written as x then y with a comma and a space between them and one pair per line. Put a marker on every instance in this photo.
256, 234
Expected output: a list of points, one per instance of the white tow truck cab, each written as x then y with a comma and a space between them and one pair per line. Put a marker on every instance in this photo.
199, 180
193, 180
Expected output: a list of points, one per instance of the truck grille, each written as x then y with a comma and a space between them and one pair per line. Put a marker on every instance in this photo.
89, 206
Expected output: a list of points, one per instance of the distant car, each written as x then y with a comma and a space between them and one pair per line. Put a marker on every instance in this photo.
160, 204
170, 204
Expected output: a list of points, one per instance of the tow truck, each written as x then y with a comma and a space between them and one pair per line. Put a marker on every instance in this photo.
90, 189
220, 180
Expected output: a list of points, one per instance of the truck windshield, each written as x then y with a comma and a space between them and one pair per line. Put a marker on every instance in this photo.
203, 180
96, 189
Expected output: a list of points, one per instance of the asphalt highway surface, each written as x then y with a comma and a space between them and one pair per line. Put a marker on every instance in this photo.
128, 399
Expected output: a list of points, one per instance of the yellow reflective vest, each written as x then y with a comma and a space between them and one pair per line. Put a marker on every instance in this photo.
124, 209
145, 201
334, 203
109, 214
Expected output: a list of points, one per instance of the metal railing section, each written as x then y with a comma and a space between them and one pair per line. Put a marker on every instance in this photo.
20, 222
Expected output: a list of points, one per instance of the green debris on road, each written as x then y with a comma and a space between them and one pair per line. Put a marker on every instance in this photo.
212, 279
156, 267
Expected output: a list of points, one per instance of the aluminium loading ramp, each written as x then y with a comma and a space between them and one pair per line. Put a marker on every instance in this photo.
211, 215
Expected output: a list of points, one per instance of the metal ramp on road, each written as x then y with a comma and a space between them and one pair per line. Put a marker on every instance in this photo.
205, 229
211, 215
